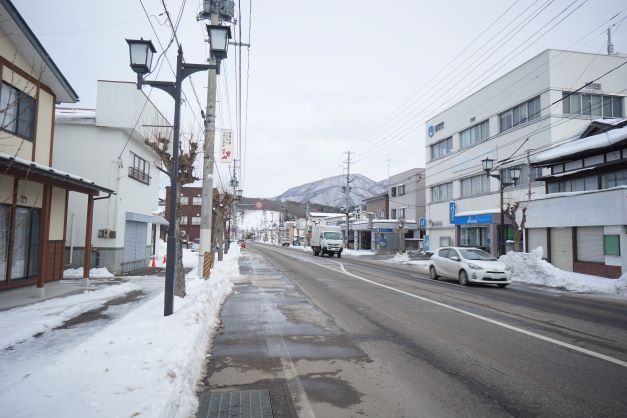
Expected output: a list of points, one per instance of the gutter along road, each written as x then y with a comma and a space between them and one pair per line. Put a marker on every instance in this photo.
346, 337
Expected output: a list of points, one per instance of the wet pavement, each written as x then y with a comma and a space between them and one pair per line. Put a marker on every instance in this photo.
274, 338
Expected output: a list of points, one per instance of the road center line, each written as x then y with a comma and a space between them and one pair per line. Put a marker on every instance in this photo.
483, 318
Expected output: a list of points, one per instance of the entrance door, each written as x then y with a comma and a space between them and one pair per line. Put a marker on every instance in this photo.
562, 248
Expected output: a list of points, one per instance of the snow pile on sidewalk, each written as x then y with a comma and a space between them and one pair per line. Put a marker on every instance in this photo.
144, 364
19, 324
95, 273
422, 265
531, 269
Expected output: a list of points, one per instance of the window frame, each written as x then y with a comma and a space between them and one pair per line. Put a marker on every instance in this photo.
532, 110
139, 169
30, 106
605, 244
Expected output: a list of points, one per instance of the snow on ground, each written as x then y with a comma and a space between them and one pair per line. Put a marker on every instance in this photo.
141, 364
531, 269
422, 265
22, 323
95, 273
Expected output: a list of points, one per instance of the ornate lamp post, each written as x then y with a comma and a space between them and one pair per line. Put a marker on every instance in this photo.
487, 164
141, 52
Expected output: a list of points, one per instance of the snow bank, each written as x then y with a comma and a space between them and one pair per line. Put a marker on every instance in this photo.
95, 273
22, 323
422, 265
531, 269
144, 364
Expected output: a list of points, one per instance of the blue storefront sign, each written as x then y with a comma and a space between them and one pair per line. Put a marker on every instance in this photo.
425, 243
384, 230
422, 222
482, 218
451, 212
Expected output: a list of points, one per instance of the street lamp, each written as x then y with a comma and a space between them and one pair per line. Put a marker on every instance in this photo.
487, 164
141, 52
238, 193
219, 40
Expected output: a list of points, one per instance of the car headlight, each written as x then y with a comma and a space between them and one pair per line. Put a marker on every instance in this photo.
474, 266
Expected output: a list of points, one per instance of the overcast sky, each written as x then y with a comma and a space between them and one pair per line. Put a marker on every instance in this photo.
326, 76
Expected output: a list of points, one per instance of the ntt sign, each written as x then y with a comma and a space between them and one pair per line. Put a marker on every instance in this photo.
431, 130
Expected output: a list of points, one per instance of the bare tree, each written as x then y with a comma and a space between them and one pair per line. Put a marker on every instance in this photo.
160, 145
222, 213
510, 210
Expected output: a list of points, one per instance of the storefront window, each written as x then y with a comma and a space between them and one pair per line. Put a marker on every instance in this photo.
478, 237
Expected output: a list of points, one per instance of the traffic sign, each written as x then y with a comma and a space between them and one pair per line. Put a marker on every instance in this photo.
258, 205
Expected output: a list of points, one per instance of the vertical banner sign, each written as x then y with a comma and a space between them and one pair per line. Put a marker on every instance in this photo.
226, 146
451, 208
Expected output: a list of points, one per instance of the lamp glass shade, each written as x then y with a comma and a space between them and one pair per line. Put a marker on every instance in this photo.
219, 40
487, 164
514, 173
141, 52
239, 192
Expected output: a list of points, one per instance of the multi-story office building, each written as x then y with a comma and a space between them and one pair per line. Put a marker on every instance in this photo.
539, 103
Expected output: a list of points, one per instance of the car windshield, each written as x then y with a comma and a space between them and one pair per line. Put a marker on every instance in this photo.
474, 254
332, 235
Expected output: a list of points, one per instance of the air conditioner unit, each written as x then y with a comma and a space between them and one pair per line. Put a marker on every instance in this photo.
111, 234
101, 233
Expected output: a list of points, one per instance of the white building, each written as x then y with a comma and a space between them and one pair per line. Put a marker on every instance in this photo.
107, 145
580, 224
521, 111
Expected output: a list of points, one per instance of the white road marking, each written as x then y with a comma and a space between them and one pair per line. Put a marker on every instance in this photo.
483, 318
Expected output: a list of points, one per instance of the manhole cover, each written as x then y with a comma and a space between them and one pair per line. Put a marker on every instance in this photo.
247, 403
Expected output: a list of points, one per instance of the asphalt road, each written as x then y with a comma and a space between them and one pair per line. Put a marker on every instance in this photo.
348, 337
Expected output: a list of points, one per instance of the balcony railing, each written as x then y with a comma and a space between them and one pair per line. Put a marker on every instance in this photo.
138, 175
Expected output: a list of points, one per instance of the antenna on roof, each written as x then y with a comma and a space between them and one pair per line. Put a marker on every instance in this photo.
610, 46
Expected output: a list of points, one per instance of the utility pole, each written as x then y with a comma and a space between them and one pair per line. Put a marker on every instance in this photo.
205, 252
347, 196
528, 175
610, 46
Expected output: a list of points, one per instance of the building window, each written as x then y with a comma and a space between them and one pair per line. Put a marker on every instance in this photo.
592, 161
442, 148
614, 179
140, 169
475, 185
445, 241
183, 220
184, 200
557, 168
400, 212
612, 156
474, 134
611, 245
393, 191
525, 178
401, 190
517, 115
393, 214
195, 220
592, 105
574, 185
441, 192
17, 111
197, 200
574, 165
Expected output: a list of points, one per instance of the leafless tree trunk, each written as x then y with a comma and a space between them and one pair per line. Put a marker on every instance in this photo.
510, 211
160, 145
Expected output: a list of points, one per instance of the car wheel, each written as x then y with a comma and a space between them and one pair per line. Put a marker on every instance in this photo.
502, 285
432, 273
463, 278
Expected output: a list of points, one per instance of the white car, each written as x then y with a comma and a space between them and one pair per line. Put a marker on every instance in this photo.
469, 265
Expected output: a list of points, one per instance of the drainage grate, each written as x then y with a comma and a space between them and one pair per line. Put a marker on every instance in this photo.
247, 403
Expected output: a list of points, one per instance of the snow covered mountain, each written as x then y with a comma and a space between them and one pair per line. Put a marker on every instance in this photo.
329, 191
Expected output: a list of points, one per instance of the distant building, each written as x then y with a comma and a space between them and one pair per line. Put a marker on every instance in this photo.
378, 206
190, 199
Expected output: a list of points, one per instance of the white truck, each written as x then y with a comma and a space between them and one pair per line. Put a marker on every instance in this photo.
326, 240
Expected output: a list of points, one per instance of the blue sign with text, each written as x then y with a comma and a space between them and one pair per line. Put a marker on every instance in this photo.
482, 218
451, 211
422, 222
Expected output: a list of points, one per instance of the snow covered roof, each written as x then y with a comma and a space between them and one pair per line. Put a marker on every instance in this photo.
325, 215
69, 113
579, 146
22, 166
566, 194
